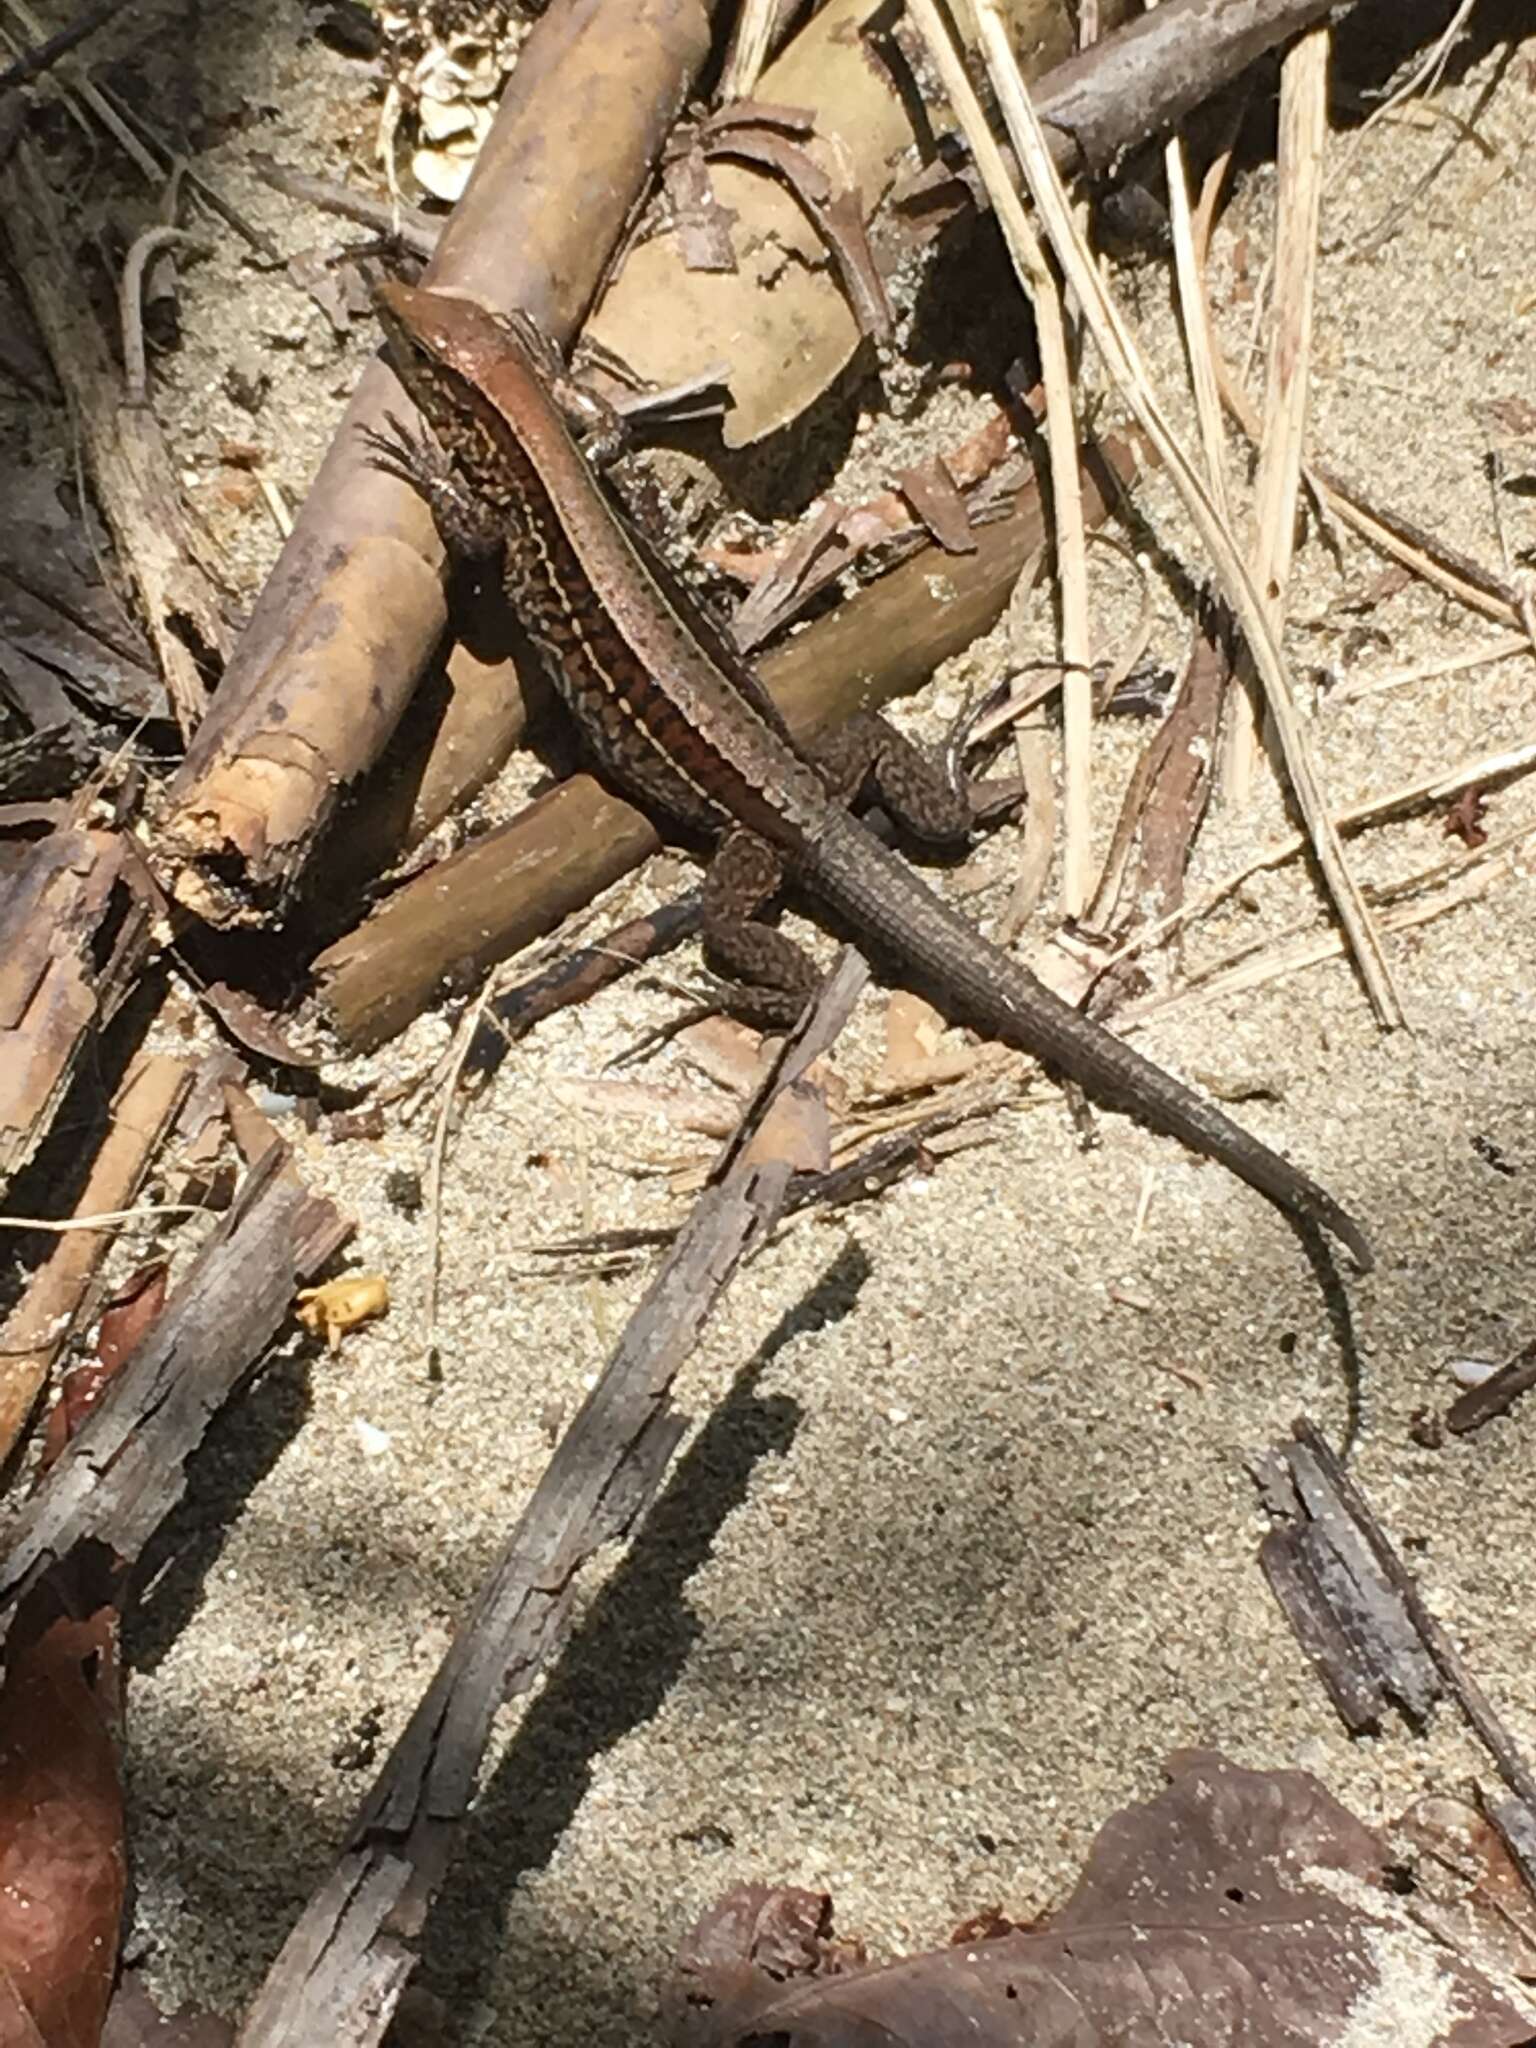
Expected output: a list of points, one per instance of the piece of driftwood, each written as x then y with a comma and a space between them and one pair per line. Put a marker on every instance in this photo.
446, 928
1358, 1612
355, 606
170, 560
125, 1469
346, 1962
48, 1313
75, 920
1496, 1395
1346, 1613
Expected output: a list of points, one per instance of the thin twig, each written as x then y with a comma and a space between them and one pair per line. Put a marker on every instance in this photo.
135, 370
96, 100
104, 1220
468, 1028
38, 60
1407, 796
1041, 285
1451, 883
1429, 671
1195, 317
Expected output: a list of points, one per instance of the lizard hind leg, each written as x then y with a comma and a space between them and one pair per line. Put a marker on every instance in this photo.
767, 977
912, 784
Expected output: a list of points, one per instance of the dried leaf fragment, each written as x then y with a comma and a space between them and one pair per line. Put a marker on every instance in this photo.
337, 1306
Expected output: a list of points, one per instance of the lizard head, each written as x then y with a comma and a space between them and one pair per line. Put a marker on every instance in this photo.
442, 348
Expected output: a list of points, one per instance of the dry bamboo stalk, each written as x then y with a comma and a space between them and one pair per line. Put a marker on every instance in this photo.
1123, 358
1303, 134
1195, 317
1072, 576
751, 41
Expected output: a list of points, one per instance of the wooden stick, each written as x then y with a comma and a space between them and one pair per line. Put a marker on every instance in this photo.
75, 923
344, 1966
125, 1468
174, 566
1042, 288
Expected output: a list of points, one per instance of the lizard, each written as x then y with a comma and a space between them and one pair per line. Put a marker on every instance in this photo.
676, 720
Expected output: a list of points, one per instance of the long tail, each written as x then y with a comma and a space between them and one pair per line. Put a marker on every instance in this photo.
977, 984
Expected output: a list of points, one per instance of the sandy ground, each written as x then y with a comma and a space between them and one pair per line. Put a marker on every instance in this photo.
961, 1545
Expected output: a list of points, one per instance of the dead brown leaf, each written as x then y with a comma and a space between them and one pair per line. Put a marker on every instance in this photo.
62, 1857
1237, 1906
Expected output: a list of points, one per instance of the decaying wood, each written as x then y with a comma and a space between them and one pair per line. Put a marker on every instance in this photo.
448, 927
355, 606
74, 931
57, 622
169, 559
48, 763
1167, 794
1342, 1607
1359, 1614
48, 1313
345, 1964
125, 1469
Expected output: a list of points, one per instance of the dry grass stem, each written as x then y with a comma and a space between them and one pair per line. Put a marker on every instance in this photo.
1123, 358
1032, 751
751, 40
1195, 319
1428, 671
1450, 884
449, 1084
1040, 284
1408, 796
1303, 134
1386, 531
